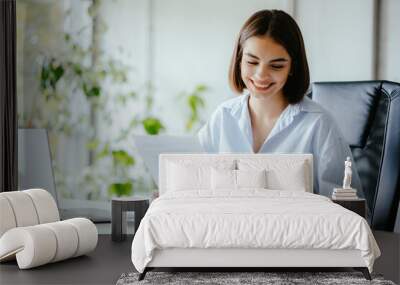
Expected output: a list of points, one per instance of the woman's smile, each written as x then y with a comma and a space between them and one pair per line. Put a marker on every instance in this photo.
262, 87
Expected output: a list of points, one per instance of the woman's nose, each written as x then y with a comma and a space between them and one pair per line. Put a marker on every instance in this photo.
262, 73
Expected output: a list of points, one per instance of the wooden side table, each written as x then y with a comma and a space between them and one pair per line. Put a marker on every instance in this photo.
358, 206
119, 207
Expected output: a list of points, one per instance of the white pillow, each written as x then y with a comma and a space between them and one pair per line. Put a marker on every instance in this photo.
184, 177
237, 179
223, 179
251, 178
288, 174
292, 178
193, 174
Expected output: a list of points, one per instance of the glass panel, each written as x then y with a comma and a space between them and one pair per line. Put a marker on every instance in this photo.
88, 99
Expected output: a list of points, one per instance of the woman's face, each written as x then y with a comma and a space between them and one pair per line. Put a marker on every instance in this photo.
265, 66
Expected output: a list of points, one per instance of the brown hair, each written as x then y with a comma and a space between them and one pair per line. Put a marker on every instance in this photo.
282, 28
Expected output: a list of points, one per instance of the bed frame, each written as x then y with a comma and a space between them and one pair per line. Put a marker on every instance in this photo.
241, 259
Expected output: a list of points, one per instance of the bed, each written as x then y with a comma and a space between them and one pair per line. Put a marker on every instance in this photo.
247, 210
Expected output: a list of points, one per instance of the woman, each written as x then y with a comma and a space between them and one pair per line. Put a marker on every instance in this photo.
274, 116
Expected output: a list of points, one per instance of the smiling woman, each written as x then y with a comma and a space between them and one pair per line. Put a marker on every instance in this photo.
274, 116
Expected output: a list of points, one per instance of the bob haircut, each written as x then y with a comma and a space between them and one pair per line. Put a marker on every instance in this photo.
282, 28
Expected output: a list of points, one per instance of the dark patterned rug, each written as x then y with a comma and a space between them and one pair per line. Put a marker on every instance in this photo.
229, 278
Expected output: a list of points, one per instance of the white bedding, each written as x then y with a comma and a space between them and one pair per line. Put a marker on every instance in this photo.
251, 218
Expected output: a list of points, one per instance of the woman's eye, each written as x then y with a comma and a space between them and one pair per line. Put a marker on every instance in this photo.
252, 62
277, 66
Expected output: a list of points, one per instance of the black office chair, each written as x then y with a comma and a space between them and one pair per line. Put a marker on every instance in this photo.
368, 114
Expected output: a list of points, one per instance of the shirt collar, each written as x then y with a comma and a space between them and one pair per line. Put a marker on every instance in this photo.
241, 112
285, 119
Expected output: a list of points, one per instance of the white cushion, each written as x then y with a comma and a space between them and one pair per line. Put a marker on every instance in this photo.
228, 179
45, 206
272, 163
192, 176
40, 244
285, 174
223, 179
23, 208
181, 177
66, 237
87, 233
30, 230
32, 246
7, 218
26, 208
293, 178
251, 178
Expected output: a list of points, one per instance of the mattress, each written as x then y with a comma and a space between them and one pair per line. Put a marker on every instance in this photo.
250, 219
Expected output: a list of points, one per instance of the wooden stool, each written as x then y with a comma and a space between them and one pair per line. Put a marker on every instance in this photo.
119, 207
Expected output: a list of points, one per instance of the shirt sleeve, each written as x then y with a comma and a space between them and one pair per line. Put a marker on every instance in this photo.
204, 136
209, 134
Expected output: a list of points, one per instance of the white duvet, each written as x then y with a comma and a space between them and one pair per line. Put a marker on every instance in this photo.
252, 218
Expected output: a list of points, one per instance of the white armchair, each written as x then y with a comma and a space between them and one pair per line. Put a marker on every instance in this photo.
31, 230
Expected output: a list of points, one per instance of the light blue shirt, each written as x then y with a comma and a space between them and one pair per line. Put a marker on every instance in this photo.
304, 127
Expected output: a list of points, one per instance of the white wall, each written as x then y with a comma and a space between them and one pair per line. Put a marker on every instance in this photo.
389, 55
126, 34
338, 38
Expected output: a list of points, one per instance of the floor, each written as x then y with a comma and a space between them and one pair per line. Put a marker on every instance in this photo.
111, 259
103, 266
389, 262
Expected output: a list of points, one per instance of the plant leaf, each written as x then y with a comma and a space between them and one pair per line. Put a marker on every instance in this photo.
152, 125
200, 88
120, 189
121, 157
